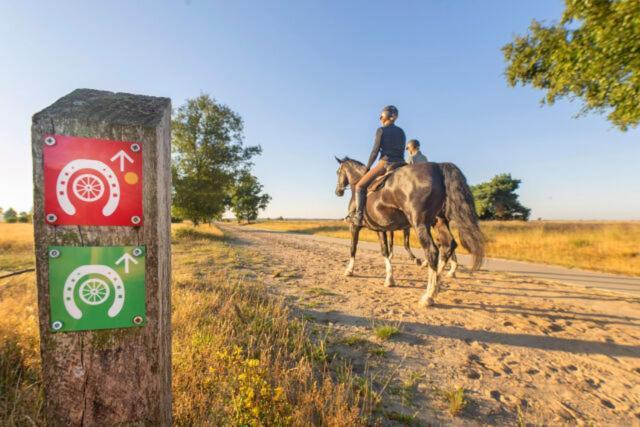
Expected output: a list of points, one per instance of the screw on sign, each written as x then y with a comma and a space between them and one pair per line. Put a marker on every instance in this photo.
92, 181
96, 287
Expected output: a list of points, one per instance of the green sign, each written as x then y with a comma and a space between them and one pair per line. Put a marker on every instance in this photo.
96, 287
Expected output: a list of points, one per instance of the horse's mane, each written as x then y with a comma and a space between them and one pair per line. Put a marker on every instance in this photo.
348, 159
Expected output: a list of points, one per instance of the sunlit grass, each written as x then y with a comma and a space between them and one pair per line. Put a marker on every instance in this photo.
595, 245
16, 246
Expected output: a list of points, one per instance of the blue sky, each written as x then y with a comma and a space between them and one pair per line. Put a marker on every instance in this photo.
309, 79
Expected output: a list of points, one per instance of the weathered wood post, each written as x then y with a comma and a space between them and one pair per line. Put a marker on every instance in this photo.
101, 173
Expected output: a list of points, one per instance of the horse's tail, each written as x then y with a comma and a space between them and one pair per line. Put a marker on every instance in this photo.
459, 207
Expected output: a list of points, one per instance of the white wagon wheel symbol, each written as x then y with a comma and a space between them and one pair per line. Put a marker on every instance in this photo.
94, 291
88, 187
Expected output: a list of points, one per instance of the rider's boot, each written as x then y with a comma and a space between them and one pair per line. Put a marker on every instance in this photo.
358, 216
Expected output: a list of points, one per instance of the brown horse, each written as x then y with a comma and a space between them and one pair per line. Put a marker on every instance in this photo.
412, 197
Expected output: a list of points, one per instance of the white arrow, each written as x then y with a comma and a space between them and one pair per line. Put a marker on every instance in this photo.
126, 258
122, 155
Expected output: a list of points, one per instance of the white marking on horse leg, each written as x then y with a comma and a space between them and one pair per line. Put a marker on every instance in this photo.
454, 267
349, 270
441, 264
428, 297
389, 280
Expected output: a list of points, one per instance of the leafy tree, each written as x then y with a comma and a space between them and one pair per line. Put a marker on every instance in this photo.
497, 199
592, 53
208, 153
247, 197
24, 217
11, 215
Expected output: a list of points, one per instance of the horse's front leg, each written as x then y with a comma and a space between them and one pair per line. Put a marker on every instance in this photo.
355, 233
391, 245
384, 249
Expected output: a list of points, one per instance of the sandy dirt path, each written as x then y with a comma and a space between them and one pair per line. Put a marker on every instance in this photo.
522, 348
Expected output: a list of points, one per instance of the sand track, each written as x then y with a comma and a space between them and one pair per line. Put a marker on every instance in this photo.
562, 354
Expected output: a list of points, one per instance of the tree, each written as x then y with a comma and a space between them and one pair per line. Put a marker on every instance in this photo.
591, 54
24, 217
208, 153
497, 199
246, 198
10, 215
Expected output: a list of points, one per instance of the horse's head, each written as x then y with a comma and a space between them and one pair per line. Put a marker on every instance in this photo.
349, 173
343, 180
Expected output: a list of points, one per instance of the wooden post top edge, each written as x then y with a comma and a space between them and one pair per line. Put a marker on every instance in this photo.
111, 108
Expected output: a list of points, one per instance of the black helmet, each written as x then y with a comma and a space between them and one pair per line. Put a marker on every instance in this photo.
390, 110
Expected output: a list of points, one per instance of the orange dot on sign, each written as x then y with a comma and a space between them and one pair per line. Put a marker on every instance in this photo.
131, 178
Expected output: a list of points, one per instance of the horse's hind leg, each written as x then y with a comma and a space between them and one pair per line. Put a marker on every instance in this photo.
407, 247
447, 244
384, 249
391, 245
355, 233
431, 254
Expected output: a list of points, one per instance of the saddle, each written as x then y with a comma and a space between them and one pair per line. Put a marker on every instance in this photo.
378, 183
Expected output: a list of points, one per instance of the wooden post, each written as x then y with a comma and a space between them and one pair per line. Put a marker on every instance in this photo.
110, 376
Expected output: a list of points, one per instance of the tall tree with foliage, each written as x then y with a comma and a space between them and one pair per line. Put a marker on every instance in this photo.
497, 199
208, 153
592, 53
247, 198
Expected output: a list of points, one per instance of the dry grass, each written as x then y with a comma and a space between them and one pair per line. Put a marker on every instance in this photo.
594, 245
239, 356
16, 246
455, 399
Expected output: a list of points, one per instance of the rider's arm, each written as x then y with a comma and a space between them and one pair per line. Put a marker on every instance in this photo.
376, 148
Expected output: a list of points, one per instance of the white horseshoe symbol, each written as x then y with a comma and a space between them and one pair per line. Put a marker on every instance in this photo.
65, 175
74, 278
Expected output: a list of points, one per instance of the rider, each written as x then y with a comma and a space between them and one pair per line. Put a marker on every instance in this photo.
390, 141
415, 156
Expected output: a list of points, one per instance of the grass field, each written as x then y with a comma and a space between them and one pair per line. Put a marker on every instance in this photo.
239, 356
602, 246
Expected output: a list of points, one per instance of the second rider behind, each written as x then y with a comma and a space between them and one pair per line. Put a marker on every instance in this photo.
389, 143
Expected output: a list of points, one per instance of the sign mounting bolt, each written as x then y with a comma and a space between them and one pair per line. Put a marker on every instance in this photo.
137, 251
54, 253
51, 217
57, 325
138, 320
135, 147
135, 219
50, 141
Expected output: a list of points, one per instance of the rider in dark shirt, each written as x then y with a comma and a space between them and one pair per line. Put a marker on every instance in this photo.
389, 143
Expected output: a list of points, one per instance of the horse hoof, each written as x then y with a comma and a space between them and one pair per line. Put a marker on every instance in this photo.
451, 274
389, 283
418, 262
348, 273
427, 302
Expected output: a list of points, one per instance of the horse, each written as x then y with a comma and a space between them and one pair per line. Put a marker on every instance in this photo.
412, 197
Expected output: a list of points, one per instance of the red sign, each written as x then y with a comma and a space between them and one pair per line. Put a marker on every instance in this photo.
92, 181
